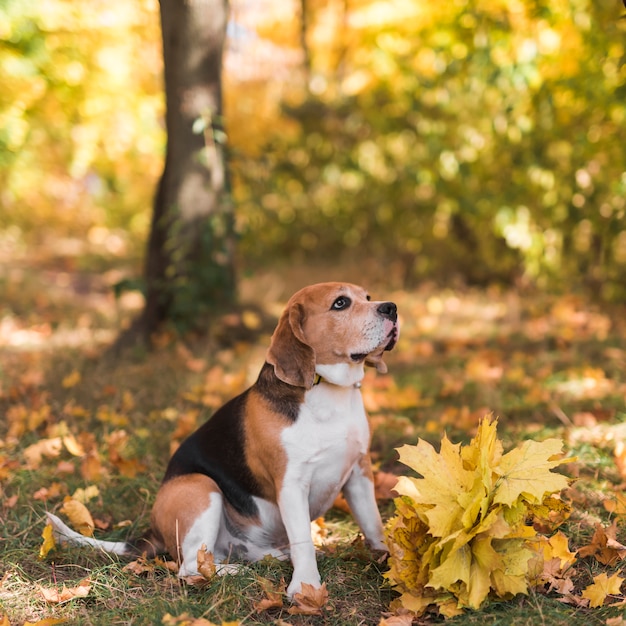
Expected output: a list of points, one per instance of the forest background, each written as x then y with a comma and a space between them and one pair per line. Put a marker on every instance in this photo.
465, 159
480, 141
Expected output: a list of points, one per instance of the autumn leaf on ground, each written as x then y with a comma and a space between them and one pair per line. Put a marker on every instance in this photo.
310, 601
88, 493
405, 619
48, 493
54, 596
186, 619
604, 545
79, 516
616, 504
46, 621
71, 380
72, 445
602, 587
550, 568
44, 448
48, 541
273, 597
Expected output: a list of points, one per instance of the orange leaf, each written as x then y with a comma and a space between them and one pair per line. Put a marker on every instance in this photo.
310, 601
405, 619
54, 596
91, 468
273, 597
46, 493
48, 448
616, 505
206, 563
140, 566
604, 546
79, 516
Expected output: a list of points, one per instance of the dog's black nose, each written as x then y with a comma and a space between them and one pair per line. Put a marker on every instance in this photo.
388, 310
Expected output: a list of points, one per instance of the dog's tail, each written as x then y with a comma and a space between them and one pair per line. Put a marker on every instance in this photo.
133, 548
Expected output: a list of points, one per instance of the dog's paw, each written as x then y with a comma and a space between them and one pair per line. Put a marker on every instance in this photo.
295, 586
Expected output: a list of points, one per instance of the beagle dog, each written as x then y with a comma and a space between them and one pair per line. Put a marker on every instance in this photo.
249, 481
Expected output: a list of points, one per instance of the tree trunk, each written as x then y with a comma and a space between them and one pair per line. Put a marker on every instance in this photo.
189, 266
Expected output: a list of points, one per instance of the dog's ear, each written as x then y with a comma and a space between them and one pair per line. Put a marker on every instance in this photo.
293, 359
375, 359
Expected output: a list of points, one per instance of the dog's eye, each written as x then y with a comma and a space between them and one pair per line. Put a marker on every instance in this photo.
341, 303
368, 297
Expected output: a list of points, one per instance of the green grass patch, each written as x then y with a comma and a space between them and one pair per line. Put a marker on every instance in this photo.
544, 374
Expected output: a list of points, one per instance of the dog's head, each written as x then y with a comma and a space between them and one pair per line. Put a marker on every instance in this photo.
331, 324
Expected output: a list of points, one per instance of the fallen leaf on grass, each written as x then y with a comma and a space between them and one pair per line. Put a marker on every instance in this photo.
72, 446
47, 493
45, 448
54, 596
604, 545
79, 516
91, 468
405, 619
273, 596
71, 380
48, 541
4, 620
602, 587
189, 620
310, 601
47, 621
551, 564
616, 505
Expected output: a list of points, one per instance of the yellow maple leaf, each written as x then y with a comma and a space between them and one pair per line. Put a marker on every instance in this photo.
559, 549
526, 471
48, 541
485, 560
444, 478
485, 449
602, 587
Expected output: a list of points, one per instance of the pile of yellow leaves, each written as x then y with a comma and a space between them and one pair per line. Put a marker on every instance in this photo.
462, 532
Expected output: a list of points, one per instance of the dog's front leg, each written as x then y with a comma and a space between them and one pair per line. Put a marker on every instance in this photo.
294, 510
359, 493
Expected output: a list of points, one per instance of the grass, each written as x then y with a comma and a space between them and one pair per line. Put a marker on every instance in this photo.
548, 366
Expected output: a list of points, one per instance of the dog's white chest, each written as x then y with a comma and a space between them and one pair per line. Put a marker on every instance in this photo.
328, 438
